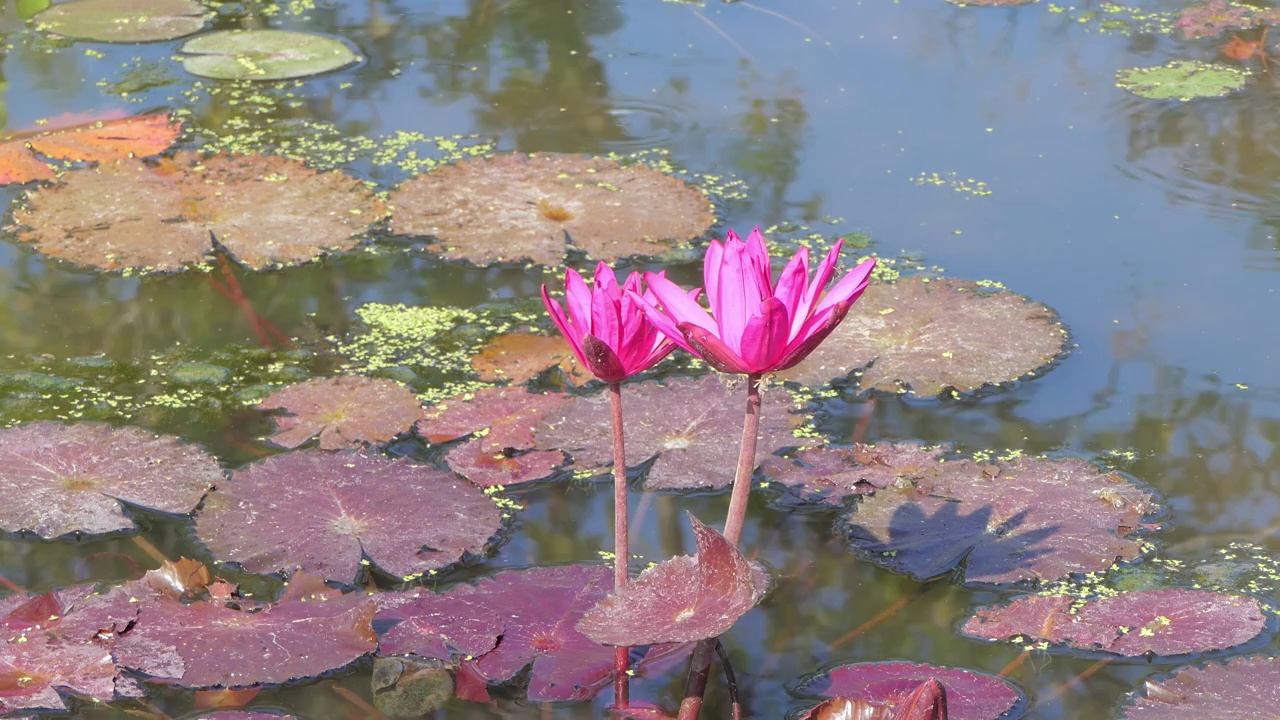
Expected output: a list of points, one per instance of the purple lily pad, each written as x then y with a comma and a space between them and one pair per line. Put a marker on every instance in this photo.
828, 475
970, 695
57, 479
695, 437
1163, 622
321, 511
930, 336
1217, 16
311, 630
504, 467
344, 411
1246, 688
507, 416
680, 600
1032, 518
444, 626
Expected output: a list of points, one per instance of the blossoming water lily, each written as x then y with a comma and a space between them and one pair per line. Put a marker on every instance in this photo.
755, 327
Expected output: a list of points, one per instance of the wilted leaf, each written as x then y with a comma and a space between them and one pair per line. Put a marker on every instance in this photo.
515, 207
407, 688
123, 21
311, 630
830, 474
680, 600
969, 695
1246, 688
694, 436
344, 411
183, 579
98, 141
263, 210
1163, 622
321, 511
1003, 522
522, 356
1182, 80
931, 336
57, 479
264, 54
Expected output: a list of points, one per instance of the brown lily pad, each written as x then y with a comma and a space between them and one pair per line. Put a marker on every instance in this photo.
58, 479
344, 411
830, 474
264, 210
1246, 688
1032, 518
515, 207
522, 356
321, 512
933, 336
691, 424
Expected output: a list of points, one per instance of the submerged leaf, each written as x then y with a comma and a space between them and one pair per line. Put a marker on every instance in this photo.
100, 141
57, 479
264, 54
516, 207
931, 336
344, 411
321, 511
522, 356
1246, 688
123, 21
969, 695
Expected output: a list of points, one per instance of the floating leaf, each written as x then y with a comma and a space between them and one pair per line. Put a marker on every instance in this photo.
344, 411
487, 468
99, 141
321, 511
264, 55
311, 630
1216, 16
970, 695
930, 336
460, 623
695, 438
522, 356
516, 207
57, 479
1004, 522
1246, 688
990, 3
1163, 622
1182, 80
680, 600
830, 474
123, 21
264, 210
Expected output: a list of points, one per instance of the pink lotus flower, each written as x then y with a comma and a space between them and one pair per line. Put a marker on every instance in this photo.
606, 326
755, 327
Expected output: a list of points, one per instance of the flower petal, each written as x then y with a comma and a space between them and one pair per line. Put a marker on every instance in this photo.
570, 333
711, 263
792, 284
681, 307
849, 287
602, 360
605, 311
704, 343
732, 307
765, 337
814, 291
660, 320
578, 298
758, 254
812, 334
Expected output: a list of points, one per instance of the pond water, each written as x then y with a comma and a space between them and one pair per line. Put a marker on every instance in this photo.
976, 143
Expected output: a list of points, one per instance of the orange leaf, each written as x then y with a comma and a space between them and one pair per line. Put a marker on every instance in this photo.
94, 142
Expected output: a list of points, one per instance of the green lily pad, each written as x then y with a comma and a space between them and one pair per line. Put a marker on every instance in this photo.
1182, 80
123, 21
264, 55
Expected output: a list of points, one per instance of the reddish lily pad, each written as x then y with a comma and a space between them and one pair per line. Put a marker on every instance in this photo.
1032, 518
311, 630
931, 336
830, 474
265, 211
1217, 16
344, 411
1246, 688
970, 695
927, 702
487, 468
58, 479
695, 438
1163, 622
680, 600
321, 511
516, 207
522, 356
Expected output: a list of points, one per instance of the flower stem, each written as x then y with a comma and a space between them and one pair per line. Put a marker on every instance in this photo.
621, 546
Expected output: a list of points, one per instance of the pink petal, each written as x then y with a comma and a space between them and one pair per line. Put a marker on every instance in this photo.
704, 343
711, 263
792, 284
758, 253
731, 307
661, 321
812, 335
682, 308
632, 315
578, 298
602, 360
569, 332
606, 280
604, 316
811, 293
765, 336
850, 287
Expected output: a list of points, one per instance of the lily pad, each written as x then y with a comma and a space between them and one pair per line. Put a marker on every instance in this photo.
931, 336
488, 468
263, 210
1217, 16
828, 475
321, 512
344, 411
58, 479
990, 3
694, 438
686, 598
264, 55
1182, 80
970, 695
516, 207
123, 21
1032, 518
106, 139
1246, 688
1162, 622
521, 356
311, 630
927, 702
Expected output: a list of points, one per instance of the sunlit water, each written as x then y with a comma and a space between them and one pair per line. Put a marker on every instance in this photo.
1150, 227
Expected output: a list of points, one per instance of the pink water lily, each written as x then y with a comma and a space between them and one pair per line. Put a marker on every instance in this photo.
606, 325
755, 327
